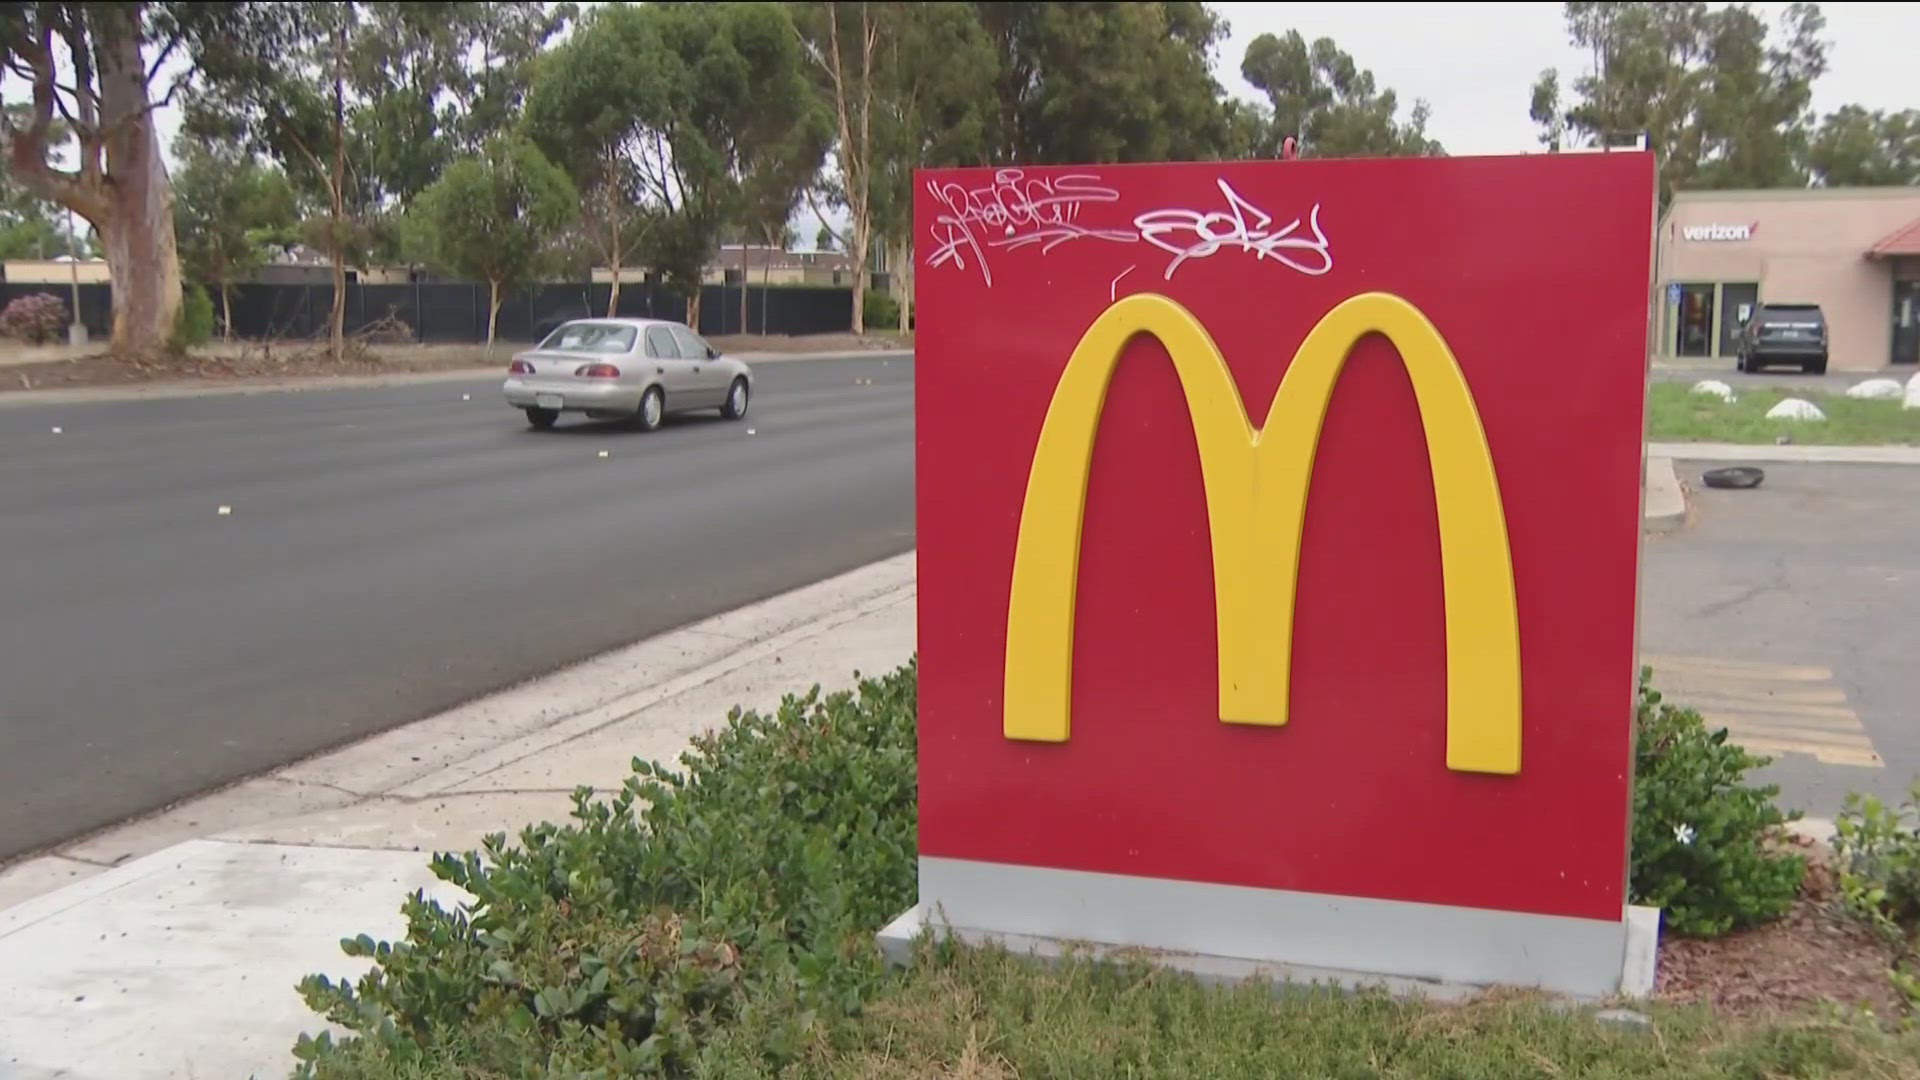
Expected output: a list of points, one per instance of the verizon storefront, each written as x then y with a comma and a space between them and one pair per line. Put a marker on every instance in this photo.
1853, 251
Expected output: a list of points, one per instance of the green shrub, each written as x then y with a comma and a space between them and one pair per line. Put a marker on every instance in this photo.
1879, 853
194, 325
1879, 861
749, 885
1704, 840
882, 311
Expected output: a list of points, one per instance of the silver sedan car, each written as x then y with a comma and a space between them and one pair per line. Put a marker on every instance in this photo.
638, 369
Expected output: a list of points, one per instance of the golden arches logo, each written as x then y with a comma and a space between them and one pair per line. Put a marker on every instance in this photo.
1256, 484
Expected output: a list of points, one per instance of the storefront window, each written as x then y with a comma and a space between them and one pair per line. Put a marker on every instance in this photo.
1906, 322
1694, 325
1737, 300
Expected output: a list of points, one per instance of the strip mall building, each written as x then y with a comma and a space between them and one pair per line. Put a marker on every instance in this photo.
1853, 251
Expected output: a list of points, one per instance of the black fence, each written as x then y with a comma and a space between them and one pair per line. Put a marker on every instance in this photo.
457, 312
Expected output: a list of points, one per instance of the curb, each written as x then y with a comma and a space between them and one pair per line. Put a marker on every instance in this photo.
1791, 454
1666, 500
161, 391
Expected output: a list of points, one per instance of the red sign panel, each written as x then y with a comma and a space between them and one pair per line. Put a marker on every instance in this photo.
1279, 522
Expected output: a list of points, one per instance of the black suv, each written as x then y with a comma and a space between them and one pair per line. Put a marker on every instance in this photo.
1785, 334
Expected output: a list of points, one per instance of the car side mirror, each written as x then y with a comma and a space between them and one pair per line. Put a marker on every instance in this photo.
713, 353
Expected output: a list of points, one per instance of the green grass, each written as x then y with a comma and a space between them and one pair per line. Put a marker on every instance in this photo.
1675, 415
988, 1016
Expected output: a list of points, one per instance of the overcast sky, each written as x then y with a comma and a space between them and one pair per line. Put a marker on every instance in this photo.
1475, 63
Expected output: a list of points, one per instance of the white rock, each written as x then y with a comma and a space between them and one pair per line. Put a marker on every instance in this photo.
1715, 388
56, 431
603, 453
1794, 408
1876, 390
225, 510
1624, 1019
1913, 396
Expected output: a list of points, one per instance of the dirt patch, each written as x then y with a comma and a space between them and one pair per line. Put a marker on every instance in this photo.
808, 343
59, 367
244, 362
1817, 953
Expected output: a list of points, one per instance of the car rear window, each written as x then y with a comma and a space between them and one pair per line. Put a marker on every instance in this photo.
591, 338
1798, 316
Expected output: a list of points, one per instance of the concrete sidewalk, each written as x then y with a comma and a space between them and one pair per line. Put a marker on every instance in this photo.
171, 946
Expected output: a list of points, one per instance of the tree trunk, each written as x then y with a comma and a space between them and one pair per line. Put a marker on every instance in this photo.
337, 328
903, 282
613, 249
693, 310
121, 185
337, 318
493, 310
743, 286
859, 253
855, 121
226, 312
144, 268
766, 283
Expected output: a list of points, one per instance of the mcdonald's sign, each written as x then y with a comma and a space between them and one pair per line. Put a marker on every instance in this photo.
1279, 533
1256, 491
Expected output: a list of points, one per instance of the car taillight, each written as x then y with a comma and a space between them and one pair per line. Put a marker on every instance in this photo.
597, 371
520, 367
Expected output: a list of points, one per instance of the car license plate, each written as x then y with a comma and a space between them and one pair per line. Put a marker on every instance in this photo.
549, 401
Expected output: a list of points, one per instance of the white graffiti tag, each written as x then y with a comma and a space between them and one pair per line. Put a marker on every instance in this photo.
1016, 211
1191, 234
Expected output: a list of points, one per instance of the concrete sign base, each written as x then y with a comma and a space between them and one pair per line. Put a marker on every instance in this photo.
1227, 934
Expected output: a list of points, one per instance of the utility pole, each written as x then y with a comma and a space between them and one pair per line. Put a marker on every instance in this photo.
76, 330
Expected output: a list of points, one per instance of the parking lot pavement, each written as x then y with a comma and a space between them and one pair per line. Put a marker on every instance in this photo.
1790, 614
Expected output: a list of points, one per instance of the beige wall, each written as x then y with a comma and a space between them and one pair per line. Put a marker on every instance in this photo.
50, 272
1807, 246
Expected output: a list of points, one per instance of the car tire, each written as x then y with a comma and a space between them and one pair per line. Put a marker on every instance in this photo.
543, 419
1817, 367
652, 410
738, 396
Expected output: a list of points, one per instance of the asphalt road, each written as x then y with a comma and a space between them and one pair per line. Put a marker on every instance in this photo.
1790, 613
390, 553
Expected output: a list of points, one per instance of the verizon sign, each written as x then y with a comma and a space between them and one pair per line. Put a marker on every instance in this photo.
1720, 232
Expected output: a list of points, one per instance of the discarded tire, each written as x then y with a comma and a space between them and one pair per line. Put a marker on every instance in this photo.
1737, 476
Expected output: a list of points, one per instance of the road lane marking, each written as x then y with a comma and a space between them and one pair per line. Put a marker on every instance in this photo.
1770, 709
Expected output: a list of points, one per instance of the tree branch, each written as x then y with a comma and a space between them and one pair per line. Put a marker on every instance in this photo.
27, 150
833, 234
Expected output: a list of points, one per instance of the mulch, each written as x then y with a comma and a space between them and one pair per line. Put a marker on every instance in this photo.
293, 361
1818, 953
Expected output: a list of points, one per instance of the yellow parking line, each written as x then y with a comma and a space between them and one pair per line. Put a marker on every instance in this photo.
1819, 751
1837, 715
1770, 708
1742, 669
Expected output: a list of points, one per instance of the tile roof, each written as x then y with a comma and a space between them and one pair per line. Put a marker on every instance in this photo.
1902, 241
